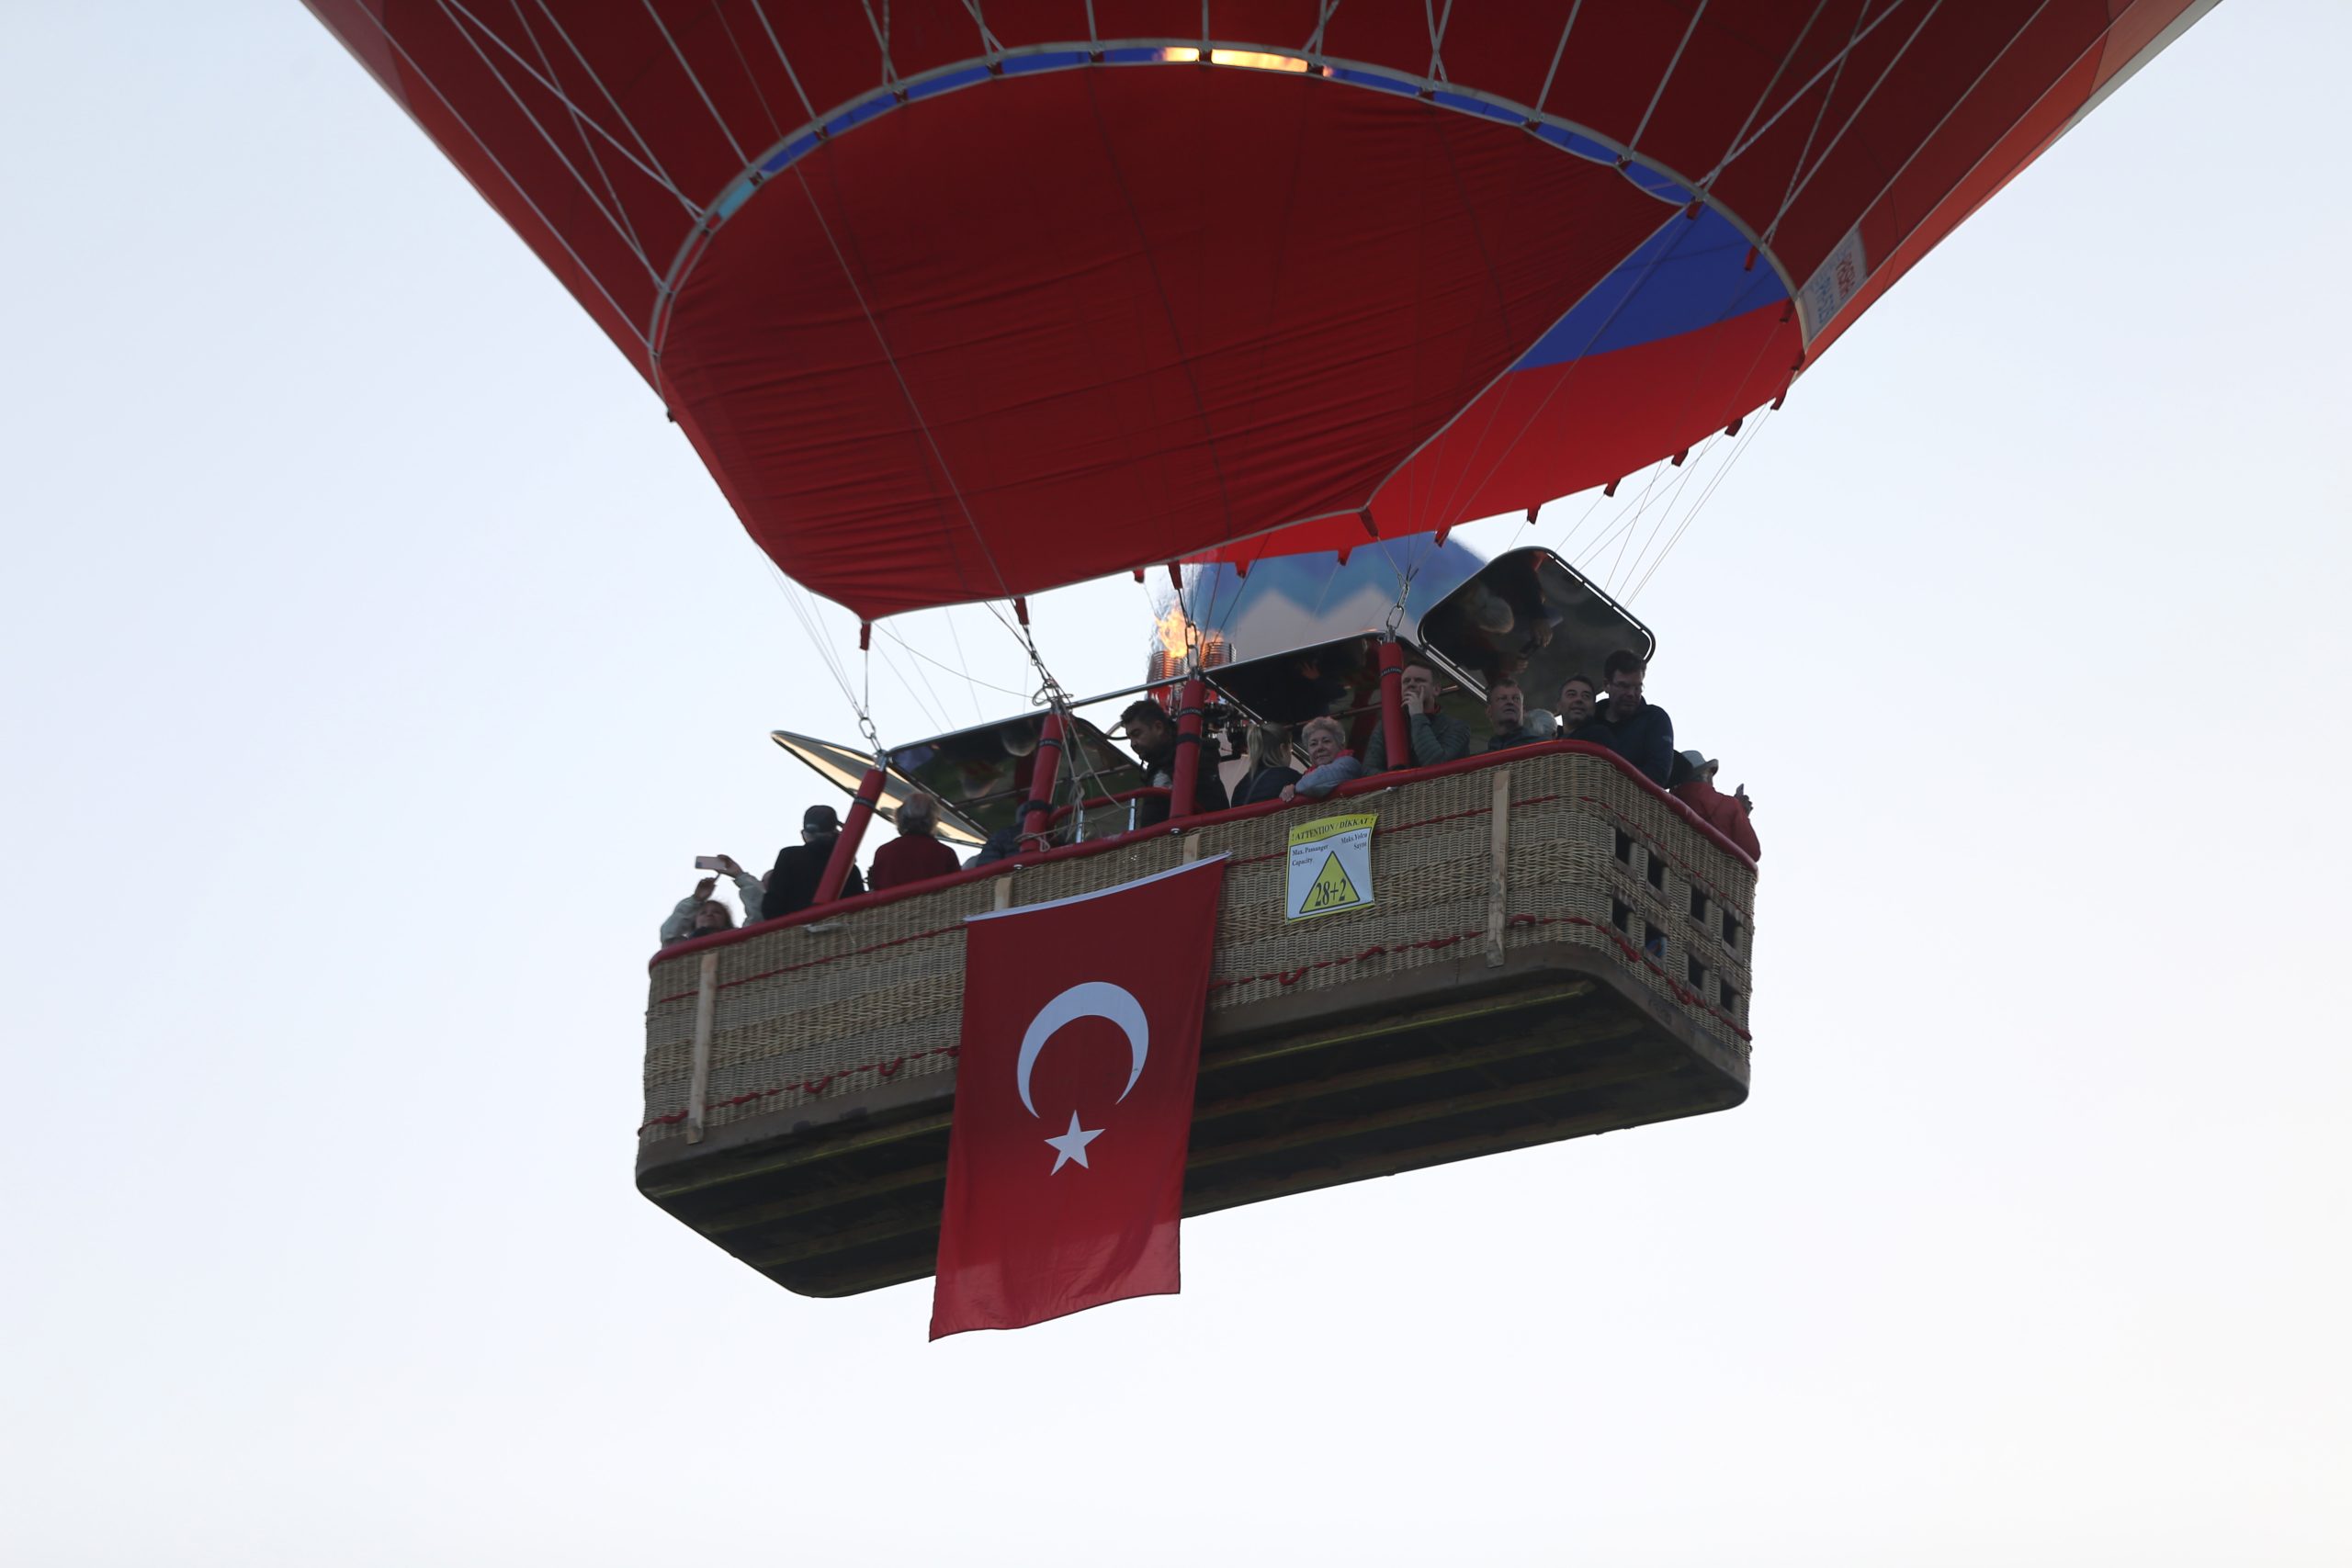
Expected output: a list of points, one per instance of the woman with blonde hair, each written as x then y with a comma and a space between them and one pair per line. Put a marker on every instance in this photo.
1269, 765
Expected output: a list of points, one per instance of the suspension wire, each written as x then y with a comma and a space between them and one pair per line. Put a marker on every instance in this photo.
934, 709
628, 236
1529, 521
882, 37
805, 614
1828, 94
949, 617
1746, 376
989, 42
1665, 515
1821, 162
578, 125
1557, 50
463, 124
1627, 513
970, 679
695, 81
1738, 450
1636, 140
767, 110
1323, 14
651, 168
1756, 107
1831, 67
1896, 178
785, 59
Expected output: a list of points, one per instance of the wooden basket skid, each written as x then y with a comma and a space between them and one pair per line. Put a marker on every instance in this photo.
809, 1013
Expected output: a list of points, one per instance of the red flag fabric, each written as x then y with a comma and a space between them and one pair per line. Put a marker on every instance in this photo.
1074, 1100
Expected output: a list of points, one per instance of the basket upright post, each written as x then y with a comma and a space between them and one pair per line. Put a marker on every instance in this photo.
1395, 730
1037, 816
1184, 784
861, 812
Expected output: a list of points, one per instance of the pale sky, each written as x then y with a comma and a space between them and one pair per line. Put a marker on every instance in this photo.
379, 659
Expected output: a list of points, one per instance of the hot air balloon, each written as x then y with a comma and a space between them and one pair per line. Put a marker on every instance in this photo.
965, 300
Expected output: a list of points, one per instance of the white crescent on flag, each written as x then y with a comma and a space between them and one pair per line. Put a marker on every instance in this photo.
1090, 999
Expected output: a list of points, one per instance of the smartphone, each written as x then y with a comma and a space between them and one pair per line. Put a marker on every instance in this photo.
708, 862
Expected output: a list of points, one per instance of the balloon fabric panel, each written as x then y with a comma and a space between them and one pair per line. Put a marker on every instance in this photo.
1118, 307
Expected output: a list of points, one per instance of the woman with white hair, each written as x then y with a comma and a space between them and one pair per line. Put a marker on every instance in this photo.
915, 855
1329, 763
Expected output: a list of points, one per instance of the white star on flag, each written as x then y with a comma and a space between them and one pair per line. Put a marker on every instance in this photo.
1071, 1146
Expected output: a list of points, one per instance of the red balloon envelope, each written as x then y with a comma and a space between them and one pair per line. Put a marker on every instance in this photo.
964, 301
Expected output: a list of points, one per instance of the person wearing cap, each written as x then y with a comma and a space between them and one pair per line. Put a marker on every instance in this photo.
792, 885
1726, 814
916, 854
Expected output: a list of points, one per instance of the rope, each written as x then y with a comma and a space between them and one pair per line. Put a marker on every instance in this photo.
695, 81
579, 125
1697, 506
1636, 140
1835, 64
1557, 50
628, 236
520, 194
1819, 163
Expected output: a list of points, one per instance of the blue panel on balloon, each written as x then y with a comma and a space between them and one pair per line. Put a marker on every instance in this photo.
1692, 274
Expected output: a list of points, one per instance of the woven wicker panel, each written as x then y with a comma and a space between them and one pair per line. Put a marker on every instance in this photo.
807, 1012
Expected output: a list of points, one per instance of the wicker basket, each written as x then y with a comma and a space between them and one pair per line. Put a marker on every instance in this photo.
830, 1009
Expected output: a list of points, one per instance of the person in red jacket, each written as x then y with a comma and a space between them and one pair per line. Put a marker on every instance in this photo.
1726, 814
914, 855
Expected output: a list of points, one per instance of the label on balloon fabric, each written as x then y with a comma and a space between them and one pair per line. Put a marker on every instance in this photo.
1837, 279
1330, 867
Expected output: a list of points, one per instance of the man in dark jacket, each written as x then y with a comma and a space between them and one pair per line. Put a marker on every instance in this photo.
1637, 730
1152, 736
1506, 711
792, 885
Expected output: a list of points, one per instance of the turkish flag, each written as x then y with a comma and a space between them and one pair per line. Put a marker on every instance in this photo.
1074, 1100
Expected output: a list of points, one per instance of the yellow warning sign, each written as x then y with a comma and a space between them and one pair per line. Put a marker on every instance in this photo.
1330, 865
1332, 890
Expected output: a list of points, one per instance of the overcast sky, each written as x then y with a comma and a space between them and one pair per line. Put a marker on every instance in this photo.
378, 659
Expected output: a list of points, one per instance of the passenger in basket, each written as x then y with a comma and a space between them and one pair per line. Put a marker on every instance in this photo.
1726, 814
1269, 768
699, 914
1577, 694
1506, 711
1437, 737
1152, 734
916, 854
792, 885
1636, 730
1329, 763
